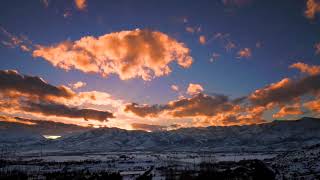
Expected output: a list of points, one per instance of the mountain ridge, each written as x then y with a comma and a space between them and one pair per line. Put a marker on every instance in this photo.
268, 136
273, 136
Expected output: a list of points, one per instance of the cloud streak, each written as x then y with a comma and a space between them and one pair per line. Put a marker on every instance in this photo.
148, 127
60, 110
294, 109
13, 41
78, 85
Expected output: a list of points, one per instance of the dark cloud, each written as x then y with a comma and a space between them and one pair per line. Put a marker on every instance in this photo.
30, 94
145, 110
65, 111
198, 105
286, 90
12, 81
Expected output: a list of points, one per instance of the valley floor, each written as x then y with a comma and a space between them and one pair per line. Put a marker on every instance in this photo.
303, 164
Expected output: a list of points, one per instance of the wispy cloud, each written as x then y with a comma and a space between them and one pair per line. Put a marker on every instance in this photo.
193, 29
13, 41
175, 87
78, 85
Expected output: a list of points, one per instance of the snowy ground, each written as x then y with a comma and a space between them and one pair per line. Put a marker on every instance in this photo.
129, 164
303, 164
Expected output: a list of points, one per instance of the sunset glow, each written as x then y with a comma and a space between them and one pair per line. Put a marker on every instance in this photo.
51, 137
207, 65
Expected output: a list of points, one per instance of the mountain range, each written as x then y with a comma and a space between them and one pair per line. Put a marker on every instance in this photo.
279, 135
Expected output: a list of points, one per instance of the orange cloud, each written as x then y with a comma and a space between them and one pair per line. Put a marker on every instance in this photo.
313, 105
288, 90
130, 54
313, 7
194, 89
245, 53
78, 85
276, 92
16, 120
203, 109
199, 105
305, 68
288, 110
207, 110
81, 4
202, 39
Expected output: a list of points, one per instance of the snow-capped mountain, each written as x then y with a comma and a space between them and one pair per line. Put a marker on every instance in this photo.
277, 135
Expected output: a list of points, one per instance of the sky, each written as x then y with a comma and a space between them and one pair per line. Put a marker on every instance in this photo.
159, 65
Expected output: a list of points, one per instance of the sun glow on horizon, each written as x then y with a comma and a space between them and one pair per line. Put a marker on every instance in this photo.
51, 137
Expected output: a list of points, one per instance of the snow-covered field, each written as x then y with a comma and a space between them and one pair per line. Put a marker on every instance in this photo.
286, 165
183, 157
128, 164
